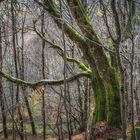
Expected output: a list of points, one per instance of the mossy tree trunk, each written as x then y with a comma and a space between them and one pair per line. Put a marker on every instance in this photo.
107, 99
105, 76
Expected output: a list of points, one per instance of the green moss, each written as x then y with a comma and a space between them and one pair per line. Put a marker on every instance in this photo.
89, 27
84, 12
113, 98
72, 33
107, 98
52, 7
83, 67
111, 44
7, 75
137, 130
113, 57
100, 99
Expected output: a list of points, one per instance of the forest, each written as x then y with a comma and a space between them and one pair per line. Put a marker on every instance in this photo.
69, 69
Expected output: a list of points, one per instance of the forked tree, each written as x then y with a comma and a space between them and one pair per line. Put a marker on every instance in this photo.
104, 69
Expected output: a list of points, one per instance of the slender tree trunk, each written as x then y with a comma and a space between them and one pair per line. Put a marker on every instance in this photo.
66, 96
132, 88
16, 65
23, 87
4, 118
43, 75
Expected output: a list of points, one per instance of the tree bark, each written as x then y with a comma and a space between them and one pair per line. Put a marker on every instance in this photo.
4, 118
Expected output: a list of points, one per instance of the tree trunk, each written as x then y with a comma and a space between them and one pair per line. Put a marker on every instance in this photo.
107, 101
22, 75
2, 106
106, 77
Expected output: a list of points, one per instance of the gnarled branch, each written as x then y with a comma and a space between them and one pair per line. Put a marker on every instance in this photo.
44, 81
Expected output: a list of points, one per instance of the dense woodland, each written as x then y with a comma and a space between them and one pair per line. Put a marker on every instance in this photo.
69, 69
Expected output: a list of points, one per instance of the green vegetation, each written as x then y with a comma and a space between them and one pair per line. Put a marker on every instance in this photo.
136, 133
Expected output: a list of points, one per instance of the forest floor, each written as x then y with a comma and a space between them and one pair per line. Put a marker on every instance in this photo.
102, 131
80, 136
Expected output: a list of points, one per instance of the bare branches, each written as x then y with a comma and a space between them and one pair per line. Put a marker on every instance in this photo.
106, 19
69, 31
61, 52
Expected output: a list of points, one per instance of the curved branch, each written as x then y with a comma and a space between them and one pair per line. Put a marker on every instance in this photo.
56, 47
61, 52
44, 81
